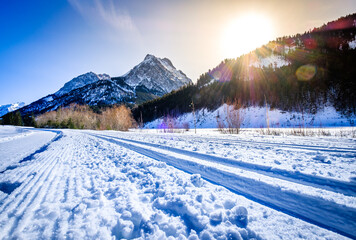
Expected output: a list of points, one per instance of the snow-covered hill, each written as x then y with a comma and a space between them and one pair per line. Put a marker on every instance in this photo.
4, 109
151, 78
256, 117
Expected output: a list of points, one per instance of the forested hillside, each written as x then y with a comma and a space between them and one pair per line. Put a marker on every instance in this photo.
304, 72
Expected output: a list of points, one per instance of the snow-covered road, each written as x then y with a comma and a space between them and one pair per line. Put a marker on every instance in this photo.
105, 185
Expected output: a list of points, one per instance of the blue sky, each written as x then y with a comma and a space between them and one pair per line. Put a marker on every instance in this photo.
44, 44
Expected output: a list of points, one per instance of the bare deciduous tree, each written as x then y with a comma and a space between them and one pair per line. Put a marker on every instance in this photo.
233, 113
82, 117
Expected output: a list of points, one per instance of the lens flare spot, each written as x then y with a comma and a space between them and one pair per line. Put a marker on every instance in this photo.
306, 72
217, 75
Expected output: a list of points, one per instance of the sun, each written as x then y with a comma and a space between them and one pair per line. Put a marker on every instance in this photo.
245, 34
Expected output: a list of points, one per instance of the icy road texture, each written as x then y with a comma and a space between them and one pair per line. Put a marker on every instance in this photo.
87, 184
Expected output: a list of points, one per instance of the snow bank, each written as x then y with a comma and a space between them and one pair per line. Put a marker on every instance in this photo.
255, 117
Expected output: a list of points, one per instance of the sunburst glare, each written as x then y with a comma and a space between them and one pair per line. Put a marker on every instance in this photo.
244, 34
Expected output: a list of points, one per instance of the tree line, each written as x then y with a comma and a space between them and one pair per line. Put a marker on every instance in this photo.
77, 117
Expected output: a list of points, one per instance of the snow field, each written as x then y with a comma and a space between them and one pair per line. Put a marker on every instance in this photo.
327, 157
87, 186
279, 183
78, 193
285, 196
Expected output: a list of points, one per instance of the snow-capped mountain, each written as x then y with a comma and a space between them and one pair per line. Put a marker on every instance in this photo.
150, 79
158, 75
4, 109
81, 81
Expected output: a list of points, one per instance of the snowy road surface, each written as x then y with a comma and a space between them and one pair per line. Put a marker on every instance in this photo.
71, 184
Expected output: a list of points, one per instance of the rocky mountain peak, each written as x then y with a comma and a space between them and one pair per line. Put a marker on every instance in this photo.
81, 81
157, 75
149, 57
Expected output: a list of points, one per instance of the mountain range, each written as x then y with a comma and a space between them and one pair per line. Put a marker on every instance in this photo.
151, 78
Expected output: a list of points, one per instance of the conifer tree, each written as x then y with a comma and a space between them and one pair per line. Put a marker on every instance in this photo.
17, 121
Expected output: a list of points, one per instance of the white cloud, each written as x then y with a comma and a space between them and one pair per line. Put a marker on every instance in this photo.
106, 12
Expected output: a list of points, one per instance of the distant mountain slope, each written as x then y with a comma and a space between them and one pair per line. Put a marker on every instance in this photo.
4, 109
81, 81
150, 79
101, 92
302, 73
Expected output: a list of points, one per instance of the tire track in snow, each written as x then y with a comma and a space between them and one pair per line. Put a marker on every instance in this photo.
285, 145
323, 213
30, 157
11, 215
55, 193
27, 183
27, 209
60, 225
20, 206
69, 198
29, 197
42, 149
24, 170
72, 192
337, 186
53, 189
